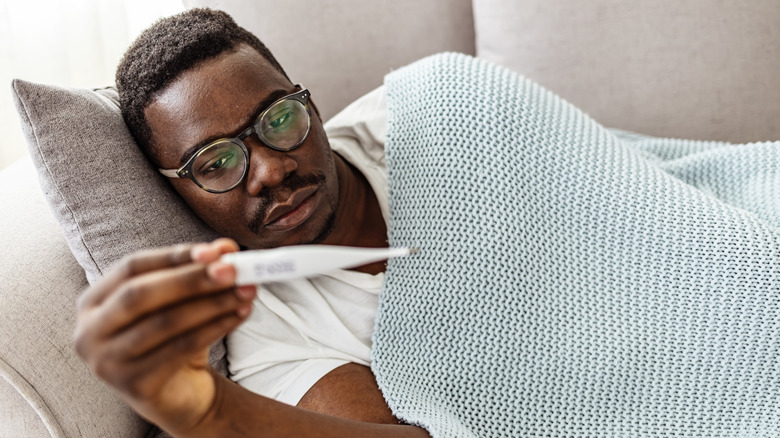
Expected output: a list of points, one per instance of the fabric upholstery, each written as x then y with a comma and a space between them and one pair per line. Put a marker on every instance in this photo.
106, 198
105, 195
39, 371
337, 63
19, 417
703, 69
341, 49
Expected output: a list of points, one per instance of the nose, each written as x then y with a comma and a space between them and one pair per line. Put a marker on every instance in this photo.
267, 167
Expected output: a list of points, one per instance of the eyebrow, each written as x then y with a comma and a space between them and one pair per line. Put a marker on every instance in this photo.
259, 108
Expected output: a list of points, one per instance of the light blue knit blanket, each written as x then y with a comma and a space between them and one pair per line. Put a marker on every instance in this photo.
573, 281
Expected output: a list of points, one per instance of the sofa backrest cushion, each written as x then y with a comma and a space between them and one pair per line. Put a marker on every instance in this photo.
342, 49
697, 69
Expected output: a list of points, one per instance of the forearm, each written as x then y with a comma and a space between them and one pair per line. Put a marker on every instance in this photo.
238, 412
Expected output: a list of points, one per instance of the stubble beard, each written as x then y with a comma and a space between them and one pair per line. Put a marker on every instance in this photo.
294, 183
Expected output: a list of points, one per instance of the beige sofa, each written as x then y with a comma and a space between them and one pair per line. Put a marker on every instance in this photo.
703, 69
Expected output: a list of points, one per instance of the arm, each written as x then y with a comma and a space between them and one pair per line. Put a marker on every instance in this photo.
146, 327
349, 391
238, 412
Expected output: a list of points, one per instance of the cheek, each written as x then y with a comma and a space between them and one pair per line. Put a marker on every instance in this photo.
213, 209
323, 154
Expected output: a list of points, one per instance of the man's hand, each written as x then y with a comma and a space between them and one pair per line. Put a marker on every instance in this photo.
146, 327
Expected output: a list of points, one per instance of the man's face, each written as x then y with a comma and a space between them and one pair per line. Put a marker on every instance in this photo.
287, 198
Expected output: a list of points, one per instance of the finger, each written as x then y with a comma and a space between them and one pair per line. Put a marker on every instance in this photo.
210, 252
148, 260
109, 358
133, 265
153, 291
161, 327
152, 371
222, 272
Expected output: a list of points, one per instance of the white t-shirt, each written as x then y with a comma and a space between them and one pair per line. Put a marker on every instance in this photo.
301, 330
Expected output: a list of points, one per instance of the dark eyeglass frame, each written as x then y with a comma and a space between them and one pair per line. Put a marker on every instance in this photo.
185, 171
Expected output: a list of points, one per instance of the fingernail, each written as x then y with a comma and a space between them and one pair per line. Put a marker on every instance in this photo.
220, 272
246, 292
225, 243
197, 251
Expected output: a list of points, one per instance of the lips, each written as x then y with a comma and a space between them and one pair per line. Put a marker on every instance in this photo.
298, 207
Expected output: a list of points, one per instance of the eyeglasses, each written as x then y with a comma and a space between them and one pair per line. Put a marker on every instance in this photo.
221, 165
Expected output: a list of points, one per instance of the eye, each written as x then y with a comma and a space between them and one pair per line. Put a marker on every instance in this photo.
284, 124
281, 120
224, 160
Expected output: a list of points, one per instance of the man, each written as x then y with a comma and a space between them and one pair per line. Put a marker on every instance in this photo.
245, 148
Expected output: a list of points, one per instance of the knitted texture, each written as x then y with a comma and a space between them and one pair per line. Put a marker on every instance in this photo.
573, 281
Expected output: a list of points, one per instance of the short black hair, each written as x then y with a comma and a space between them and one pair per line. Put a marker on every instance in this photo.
168, 48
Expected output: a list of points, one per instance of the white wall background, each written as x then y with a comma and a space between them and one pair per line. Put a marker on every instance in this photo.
74, 43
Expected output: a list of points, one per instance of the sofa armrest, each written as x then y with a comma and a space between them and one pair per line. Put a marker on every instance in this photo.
17, 416
39, 284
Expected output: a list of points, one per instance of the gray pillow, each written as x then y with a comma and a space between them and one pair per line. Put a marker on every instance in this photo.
107, 198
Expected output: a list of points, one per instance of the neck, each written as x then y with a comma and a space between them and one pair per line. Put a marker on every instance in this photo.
359, 220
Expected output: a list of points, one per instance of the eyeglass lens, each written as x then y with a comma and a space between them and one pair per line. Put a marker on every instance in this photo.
223, 164
284, 125
220, 166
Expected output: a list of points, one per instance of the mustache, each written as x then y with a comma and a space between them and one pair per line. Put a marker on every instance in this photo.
272, 195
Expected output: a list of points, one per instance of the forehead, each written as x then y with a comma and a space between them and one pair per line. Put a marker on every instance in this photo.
214, 99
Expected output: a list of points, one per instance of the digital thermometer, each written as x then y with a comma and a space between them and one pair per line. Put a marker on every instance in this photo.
290, 262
